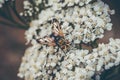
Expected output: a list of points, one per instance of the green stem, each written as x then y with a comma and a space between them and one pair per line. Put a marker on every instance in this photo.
17, 14
94, 44
10, 14
111, 74
14, 25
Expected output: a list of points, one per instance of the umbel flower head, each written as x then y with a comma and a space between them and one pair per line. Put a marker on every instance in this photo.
56, 37
79, 24
42, 62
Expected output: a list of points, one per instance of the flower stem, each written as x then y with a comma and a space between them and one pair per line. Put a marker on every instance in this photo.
14, 25
111, 74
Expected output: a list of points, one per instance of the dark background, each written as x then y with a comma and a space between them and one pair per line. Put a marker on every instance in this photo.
12, 44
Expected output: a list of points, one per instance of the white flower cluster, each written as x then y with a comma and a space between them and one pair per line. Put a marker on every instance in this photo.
44, 63
29, 9
60, 4
35, 6
83, 24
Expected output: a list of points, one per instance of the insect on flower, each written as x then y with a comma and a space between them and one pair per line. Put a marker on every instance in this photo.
57, 30
57, 37
47, 41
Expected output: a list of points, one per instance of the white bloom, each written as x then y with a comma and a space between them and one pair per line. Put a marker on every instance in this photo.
80, 22
109, 26
87, 63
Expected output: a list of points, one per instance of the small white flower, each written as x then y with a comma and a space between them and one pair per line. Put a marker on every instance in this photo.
109, 26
